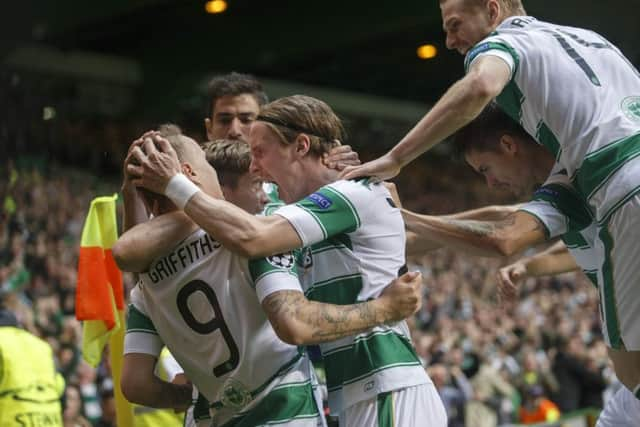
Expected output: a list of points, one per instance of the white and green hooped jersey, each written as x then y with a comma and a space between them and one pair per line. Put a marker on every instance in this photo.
354, 247
563, 213
577, 95
203, 302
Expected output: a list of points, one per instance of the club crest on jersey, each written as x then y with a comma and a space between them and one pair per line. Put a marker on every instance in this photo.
321, 201
631, 108
234, 394
284, 260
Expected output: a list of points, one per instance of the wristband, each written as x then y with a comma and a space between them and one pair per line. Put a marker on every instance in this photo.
180, 190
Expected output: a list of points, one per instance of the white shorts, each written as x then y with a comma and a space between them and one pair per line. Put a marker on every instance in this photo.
416, 406
618, 244
621, 410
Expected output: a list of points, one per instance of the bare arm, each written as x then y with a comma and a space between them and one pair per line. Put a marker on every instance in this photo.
137, 248
140, 385
248, 235
457, 107
554, 260
134, 210
237, 230
486, 213
418, 244
299, 321
504, 237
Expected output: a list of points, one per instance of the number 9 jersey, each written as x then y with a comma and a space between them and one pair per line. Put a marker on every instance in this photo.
204, 303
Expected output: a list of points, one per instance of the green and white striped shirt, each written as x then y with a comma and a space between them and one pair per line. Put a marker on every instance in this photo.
354, 247
563, 213
577, 95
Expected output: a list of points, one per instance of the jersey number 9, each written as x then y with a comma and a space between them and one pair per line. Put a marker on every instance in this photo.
212, 325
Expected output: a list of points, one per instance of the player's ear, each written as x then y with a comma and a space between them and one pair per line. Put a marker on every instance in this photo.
493, 10
303, 144
208, 125
508, 144
188, 170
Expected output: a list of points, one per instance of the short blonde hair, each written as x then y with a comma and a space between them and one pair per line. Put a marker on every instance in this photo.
290, 116
230, 158
510, 7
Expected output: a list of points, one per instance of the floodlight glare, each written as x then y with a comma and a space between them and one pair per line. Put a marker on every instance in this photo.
427, 51
215, 6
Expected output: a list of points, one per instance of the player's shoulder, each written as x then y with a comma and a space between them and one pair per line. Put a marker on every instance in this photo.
353, 186
507, 36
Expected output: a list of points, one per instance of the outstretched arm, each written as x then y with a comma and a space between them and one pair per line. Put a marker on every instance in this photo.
136, 249
486, 213
159, 170
457, 107
418, 243
504, 237
248, 235
554, 260
299, 321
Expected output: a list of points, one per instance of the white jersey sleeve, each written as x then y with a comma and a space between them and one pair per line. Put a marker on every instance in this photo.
333, 209
493, 46
576, 94
274, 273
558, 207
141, 335
168, 367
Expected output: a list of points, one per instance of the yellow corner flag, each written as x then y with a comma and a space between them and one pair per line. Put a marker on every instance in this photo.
100, 296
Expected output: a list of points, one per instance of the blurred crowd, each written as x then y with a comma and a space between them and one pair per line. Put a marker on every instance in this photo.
493, 364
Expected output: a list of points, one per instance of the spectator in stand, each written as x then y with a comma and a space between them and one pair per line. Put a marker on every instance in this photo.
73, 412
580, 381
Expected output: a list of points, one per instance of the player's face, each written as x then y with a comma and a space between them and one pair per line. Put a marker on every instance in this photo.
248, 193
271, 159
465, 25
232, 116
503, 170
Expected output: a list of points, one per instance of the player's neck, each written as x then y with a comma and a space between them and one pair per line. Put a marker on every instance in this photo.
543, 162
316, 175
319, 176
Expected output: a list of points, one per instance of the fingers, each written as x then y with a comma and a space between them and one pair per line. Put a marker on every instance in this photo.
507, 290
134, 171
340, 149
340, 157
351, 172
346, 172
163, 145
410, 276
148, 147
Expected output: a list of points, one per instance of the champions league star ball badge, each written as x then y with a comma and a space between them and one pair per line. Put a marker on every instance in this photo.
284, 260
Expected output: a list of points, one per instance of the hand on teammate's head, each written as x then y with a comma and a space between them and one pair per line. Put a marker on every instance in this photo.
153, 162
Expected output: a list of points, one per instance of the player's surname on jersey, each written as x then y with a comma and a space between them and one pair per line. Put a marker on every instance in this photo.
179, 259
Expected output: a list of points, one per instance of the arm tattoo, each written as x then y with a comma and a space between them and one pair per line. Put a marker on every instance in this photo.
325, 322
477, 228
483, 228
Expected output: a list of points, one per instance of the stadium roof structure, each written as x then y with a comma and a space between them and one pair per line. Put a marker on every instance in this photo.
359, 46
